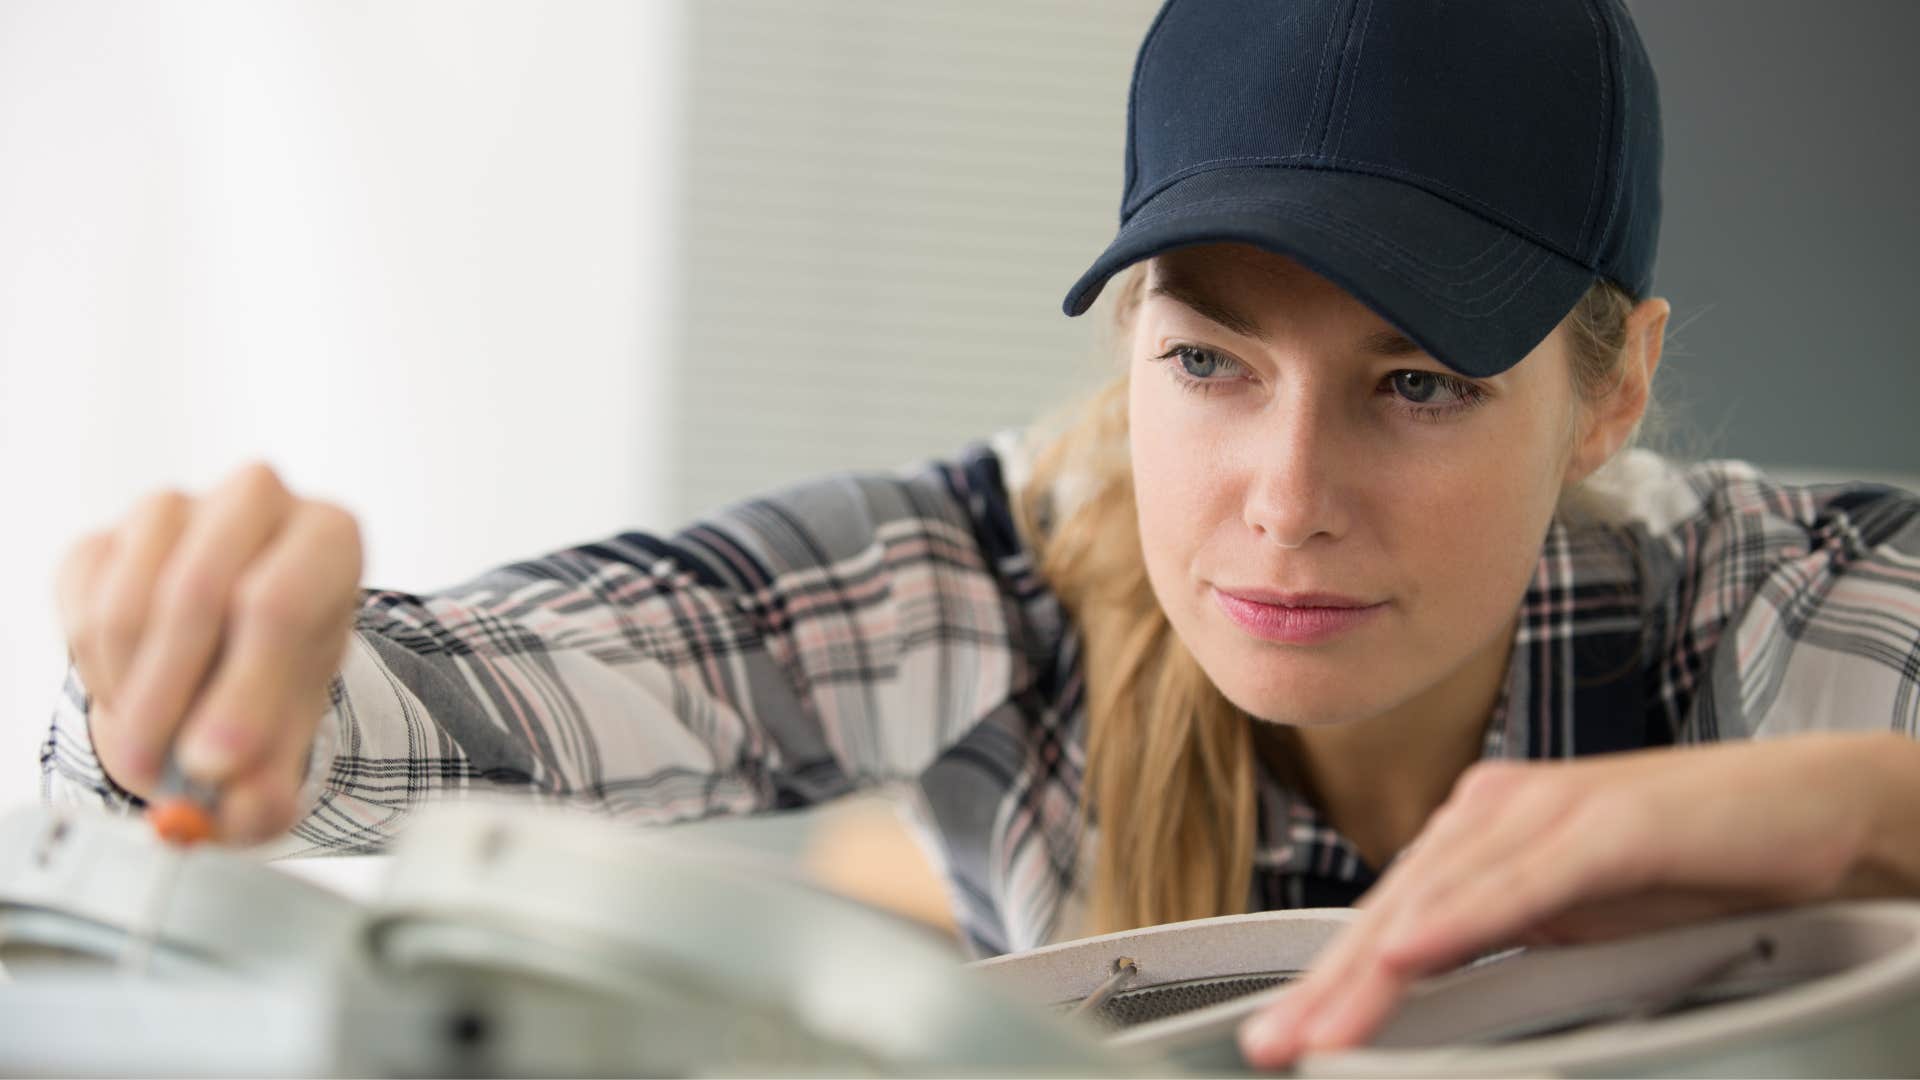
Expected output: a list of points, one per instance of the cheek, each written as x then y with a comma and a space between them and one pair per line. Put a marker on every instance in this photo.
1480, 506
1469, 557
1471, 542
1176, 488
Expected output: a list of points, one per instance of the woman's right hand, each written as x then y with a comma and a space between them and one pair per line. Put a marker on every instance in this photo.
211, 627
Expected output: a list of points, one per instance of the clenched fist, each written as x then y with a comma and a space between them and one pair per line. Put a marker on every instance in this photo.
210, 627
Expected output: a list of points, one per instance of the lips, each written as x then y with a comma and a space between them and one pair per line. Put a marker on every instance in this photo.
1300, 618
1297, 599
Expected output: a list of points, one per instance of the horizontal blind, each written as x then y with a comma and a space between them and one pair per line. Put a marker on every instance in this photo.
884, 204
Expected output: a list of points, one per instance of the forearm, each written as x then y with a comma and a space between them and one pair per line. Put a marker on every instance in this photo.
1888, 861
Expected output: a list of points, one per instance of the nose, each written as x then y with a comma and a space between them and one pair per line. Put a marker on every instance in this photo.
1294, 488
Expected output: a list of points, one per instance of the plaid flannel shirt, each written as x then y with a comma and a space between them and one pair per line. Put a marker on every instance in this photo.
892, 629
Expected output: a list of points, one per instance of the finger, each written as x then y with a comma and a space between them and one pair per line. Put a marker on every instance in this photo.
1457, 825
262, 803
1577, 860
1349, 1003
1502, 812
1269, 1038
73, 589
1356, 1014
176, 655
1346, 1003
123, 594
1272, 1037
291, 615
1275, 1035
1491, 813
1498, 815
74, 583
125, 766
74, 580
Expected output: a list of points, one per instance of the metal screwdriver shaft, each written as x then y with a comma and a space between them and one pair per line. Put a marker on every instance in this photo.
181, 815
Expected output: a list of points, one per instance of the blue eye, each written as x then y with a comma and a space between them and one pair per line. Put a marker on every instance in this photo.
1418, 387
1200, 362
1429, 395
1196, 368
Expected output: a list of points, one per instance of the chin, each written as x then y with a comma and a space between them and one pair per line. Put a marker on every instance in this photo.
1304, 715
1303, 698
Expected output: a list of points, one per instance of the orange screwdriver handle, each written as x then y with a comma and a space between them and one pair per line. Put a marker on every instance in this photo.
180, 821
181, 811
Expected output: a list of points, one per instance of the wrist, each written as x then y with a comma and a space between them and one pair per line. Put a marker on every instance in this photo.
1884, 768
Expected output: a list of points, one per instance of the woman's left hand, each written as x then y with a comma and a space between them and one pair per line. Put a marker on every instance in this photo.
1560, 852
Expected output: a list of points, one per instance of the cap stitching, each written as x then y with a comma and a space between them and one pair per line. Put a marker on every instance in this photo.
1347, 109
1376, 168
1333, 95
1361, 232
1438, 271
1209, 165
1534, 257
1620, 147
1411, 255
1133, 98
1306, 121
1599, 138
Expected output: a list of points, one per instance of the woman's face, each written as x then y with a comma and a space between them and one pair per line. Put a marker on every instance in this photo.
1287, 440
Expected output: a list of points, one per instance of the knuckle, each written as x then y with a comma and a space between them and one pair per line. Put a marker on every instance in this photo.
86, 662
90, 544
1486, 783
99, 540
272, 604
335, 521
192, 592
160, 504
257, 477
121, 616
81, 561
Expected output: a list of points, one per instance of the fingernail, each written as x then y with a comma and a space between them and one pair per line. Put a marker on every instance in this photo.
1266, 1040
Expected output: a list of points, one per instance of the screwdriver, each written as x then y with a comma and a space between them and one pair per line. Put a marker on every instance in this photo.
181, 814
181, 810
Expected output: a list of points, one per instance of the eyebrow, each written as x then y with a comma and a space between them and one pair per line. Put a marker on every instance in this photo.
1387, 343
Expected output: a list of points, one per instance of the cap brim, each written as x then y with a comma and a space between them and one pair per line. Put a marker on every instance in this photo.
1474, 294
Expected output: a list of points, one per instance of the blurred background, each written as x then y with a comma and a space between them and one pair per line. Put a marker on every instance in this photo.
505, 277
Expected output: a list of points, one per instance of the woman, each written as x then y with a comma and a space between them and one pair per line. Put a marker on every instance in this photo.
1311, 606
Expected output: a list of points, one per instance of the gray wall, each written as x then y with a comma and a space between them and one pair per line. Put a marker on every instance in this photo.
1789, 242
884, 204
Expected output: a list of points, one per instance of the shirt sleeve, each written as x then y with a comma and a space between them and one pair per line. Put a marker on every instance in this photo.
786, 650
1797, 607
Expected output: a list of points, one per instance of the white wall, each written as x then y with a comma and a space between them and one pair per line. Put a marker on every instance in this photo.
413, 254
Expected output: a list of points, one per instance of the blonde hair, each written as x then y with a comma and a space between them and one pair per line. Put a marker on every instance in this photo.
1170, 770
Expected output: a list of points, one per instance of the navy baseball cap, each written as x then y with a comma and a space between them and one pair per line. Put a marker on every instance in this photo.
1467, 170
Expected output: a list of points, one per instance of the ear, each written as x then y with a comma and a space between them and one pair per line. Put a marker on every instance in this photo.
1610, 420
